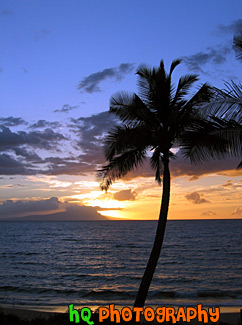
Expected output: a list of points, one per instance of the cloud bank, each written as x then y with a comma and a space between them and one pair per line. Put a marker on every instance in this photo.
10, 207
214, 56
43, 148
25, 209
90, 84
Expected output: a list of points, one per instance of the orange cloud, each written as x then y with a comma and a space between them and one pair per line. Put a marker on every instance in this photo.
125, 195
208, 213
195, 198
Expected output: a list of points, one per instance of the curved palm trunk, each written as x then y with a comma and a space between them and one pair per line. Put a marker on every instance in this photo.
155, 253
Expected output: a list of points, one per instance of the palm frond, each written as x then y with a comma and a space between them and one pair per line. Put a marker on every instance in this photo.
184, 85
174, 64
205, 139
161, 70
227, 103
231, 132
154, 87
119, 166
124, 138
202, 96
189, 111
145, 80
131, 109
156, 164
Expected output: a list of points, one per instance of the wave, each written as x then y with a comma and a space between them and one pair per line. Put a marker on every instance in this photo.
220, 294
37, 290
163, 294
224, 294
110, 294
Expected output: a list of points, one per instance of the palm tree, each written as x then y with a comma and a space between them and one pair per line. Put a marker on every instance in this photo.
160, 118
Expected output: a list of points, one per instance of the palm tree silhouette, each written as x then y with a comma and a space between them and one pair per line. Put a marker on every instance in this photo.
161, 117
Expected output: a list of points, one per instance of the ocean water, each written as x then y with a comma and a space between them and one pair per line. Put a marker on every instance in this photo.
102, 262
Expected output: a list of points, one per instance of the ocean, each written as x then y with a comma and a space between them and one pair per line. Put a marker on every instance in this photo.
96, 263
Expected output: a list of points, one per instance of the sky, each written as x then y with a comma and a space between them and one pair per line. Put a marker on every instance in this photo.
60, 63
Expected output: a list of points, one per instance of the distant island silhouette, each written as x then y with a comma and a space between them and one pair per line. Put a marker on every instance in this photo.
72, 213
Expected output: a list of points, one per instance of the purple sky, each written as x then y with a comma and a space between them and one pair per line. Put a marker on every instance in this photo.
60, 62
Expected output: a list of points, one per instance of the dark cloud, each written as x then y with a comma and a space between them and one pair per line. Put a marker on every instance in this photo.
11, 166
65, 108
66, 167
44, 124
97, 124
11, 121
19, 158
42, 34
34, 165
90, 84
46, 139
125, 195
214, 56
28, 154
208, 214
91, 131
11, 208
232, 28
195, 198
237, 212
19, 155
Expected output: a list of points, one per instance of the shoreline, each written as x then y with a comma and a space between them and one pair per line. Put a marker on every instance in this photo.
228, 315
